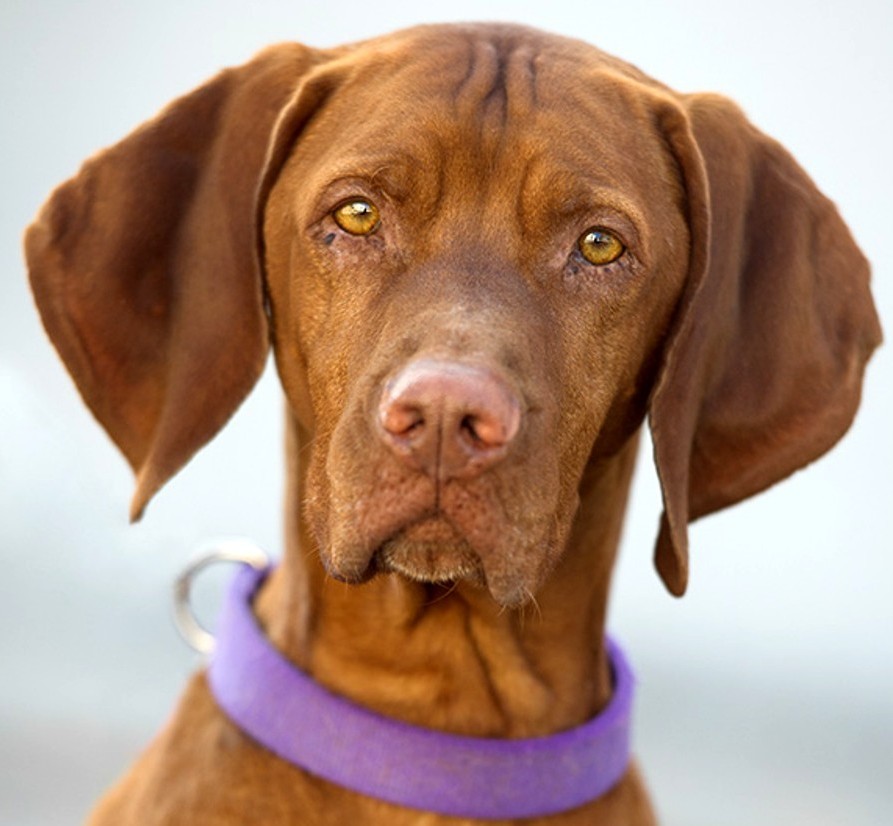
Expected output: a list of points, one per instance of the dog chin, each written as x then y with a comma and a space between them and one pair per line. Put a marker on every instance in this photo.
433, 551
430, 552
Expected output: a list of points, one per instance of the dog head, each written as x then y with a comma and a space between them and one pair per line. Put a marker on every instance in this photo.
483, 255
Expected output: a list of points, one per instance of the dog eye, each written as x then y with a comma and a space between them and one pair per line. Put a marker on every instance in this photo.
600, 246
357, 217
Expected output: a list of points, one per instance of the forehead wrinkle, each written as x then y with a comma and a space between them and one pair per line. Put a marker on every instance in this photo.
481, 82
501, 74
521, 79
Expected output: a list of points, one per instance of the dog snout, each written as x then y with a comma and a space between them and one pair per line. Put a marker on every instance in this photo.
448, 419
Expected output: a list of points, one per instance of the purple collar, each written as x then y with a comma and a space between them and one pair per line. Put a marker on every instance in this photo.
331, 737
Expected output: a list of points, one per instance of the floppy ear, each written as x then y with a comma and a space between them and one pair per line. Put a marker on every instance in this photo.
146, 271
763, 369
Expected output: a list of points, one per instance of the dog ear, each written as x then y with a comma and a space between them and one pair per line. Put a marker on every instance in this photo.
763, 368
146, 268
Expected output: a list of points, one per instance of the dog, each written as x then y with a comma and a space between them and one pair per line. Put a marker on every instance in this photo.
483, 256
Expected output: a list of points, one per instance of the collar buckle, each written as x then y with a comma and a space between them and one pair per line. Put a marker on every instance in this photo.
235, 549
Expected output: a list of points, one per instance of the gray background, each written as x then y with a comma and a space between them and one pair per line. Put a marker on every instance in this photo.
765, 693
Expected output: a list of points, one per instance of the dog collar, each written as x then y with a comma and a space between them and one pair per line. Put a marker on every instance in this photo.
331, 737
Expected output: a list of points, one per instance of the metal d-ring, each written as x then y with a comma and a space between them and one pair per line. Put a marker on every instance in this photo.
224, 550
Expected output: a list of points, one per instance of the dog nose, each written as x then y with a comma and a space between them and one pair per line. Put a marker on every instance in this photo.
447, 418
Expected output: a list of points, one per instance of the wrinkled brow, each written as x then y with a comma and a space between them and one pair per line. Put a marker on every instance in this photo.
500, 77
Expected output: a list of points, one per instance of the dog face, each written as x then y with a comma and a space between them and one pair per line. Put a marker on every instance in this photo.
482, 254
481, 199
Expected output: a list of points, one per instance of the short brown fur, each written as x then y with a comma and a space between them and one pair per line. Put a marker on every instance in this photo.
739, 322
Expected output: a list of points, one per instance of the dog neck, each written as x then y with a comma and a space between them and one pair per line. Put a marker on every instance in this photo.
451, 658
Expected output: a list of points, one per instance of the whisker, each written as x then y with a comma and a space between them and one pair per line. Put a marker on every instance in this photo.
534, 603
444, 595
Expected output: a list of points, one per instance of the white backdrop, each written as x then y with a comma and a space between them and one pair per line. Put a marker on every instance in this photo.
765, 693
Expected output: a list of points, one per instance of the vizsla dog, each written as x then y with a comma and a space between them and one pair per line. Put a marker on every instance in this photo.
483, 256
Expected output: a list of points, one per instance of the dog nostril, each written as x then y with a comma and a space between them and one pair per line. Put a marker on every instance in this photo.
491, 431
400, 419
467, 427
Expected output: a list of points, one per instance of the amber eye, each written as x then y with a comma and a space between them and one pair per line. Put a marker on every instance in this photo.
600, 246
358, 217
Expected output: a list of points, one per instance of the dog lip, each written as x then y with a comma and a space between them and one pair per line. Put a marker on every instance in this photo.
507, 593
427, 563
388, 563
431, 550
353, 575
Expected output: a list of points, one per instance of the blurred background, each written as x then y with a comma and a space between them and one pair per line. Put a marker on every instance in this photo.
766, 694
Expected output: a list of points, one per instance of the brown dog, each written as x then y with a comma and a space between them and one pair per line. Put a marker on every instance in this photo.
482, 254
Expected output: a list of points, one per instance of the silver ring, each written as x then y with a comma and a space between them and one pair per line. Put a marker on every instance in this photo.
224, 550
